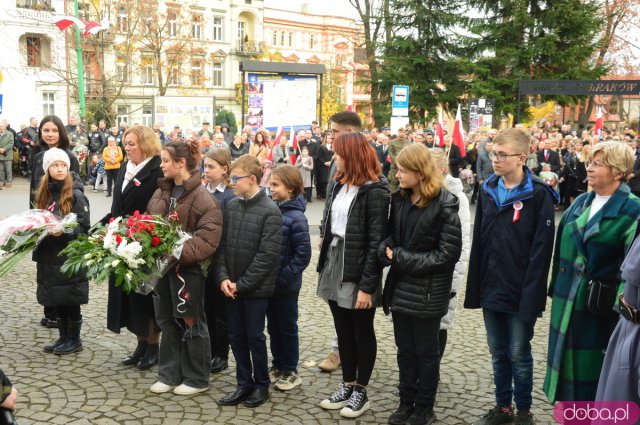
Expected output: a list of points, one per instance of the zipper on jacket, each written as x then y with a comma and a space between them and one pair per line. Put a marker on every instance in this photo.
429, 290
344, 240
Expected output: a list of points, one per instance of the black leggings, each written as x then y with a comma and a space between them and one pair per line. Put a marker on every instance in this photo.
357, 342
71, 312
112, 175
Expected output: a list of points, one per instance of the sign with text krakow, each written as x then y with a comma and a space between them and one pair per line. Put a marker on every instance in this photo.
581, 87
400, 101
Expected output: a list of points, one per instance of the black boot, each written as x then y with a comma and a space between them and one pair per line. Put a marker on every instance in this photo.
63, 331
73, 343
134, 358
150, 357
400, 416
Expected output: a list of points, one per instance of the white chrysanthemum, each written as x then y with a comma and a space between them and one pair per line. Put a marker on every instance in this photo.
109, 242
129, 253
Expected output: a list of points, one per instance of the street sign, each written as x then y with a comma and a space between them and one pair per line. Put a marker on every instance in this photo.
0, 104
400, 101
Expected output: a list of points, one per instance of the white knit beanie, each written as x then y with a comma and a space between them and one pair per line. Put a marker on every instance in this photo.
52, 155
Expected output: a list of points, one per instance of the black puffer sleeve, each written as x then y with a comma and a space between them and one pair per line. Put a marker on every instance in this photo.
378, 227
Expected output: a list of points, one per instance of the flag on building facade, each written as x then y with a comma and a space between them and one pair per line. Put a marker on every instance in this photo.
65, 22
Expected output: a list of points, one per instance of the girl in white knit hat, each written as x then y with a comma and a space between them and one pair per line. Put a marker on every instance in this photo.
60, 194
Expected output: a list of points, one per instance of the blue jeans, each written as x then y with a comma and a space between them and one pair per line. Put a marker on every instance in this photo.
509, 340
282, 316
245, 318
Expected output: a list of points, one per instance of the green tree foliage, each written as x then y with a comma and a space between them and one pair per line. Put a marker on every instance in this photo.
226, 116
531, 39
426, 53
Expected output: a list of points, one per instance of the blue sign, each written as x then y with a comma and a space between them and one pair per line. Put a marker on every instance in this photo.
0, 103
400, 101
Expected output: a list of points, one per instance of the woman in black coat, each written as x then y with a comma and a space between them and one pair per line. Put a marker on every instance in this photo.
423, 248
135, 184
325, 154
51, 134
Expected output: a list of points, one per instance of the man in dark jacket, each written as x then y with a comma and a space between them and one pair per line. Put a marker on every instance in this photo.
383, 154
247, 264
549, 156
508, 267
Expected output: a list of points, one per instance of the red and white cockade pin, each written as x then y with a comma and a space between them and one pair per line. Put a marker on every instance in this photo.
136, 182
517, 206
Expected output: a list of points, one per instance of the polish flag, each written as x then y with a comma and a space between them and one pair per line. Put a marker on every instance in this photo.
66, 21
599, 122
440, 130
293, 143
95, 27
458, 133
272, 143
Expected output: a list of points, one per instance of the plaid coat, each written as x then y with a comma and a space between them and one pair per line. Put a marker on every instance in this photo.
584, 251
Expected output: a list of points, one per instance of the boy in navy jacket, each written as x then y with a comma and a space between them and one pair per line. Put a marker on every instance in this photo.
510, 256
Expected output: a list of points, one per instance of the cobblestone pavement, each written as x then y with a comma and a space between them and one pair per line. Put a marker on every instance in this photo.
93, 388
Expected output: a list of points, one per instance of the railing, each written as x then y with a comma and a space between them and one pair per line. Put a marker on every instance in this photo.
249, 48
44, 5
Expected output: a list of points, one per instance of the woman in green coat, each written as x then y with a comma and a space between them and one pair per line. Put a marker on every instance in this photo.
593, 237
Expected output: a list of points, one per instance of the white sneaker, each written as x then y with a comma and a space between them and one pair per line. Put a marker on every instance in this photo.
183, 389
289, 381
161, 388
338, 399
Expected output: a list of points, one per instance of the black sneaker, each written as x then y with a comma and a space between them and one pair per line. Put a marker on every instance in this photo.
357, 404
497, 416
524, 418
400, 416
338, 399
421, 416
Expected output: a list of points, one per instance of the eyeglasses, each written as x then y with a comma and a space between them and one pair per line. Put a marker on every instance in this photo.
236, 179
501, 157
595, 163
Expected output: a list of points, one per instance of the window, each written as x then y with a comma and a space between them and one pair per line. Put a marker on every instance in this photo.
35, 4
34, 51
196, 26
122, 23
123, 114
174, 76
172, 19
147, 116
217, 75
122, 70
290, 39
147, 74
275, 38
217, 28
312, 41
196, 72
48, 103
242, 34
247, 1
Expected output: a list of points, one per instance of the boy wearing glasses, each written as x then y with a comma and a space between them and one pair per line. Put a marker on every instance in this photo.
246, 267
508, 267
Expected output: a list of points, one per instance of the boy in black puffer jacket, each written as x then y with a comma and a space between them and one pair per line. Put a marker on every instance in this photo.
247, 263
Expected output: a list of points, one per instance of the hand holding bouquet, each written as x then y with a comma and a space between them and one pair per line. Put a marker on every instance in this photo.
135, 250
21, 233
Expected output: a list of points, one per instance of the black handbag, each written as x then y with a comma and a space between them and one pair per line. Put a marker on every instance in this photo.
6, 417
602, 297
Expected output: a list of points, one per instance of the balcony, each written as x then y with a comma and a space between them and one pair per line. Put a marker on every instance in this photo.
248, 48
40, 5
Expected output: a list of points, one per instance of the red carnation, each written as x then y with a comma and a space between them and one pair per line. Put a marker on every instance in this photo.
111, 219
118, 239
155, 241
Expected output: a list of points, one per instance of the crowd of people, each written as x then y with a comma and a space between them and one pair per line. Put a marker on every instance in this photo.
391, 201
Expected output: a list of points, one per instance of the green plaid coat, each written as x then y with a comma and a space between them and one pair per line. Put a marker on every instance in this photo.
578, 339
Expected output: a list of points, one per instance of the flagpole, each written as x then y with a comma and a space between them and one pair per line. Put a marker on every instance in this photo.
80, 66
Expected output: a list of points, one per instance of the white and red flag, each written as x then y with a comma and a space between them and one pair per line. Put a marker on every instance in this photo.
599, 122
440, 130
458, 133
65, 22
293, 143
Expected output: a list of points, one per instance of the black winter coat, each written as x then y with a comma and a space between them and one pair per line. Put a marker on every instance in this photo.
366, 228
54, 287
419, 281
296, 247
249, 251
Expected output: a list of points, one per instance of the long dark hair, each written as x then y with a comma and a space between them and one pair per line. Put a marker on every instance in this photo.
189, 150
63, 142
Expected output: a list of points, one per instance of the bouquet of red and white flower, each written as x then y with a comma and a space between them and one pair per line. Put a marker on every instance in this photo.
136, 250
21, 233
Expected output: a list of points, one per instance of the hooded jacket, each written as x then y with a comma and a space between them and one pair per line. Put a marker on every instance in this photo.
198, 213
366, 228
296, 247
419, 281
510, 258
251, 243
54, 287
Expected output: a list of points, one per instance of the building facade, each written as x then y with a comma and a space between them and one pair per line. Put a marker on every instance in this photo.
297, 36
31, 49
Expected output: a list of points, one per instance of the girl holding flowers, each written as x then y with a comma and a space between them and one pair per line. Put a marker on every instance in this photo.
60, 194
185, 352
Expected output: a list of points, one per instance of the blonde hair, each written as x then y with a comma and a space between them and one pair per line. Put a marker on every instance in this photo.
440, 158
43, 195
223, 157
517, 138
615, 155
249, 164
148, 141
418, 159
